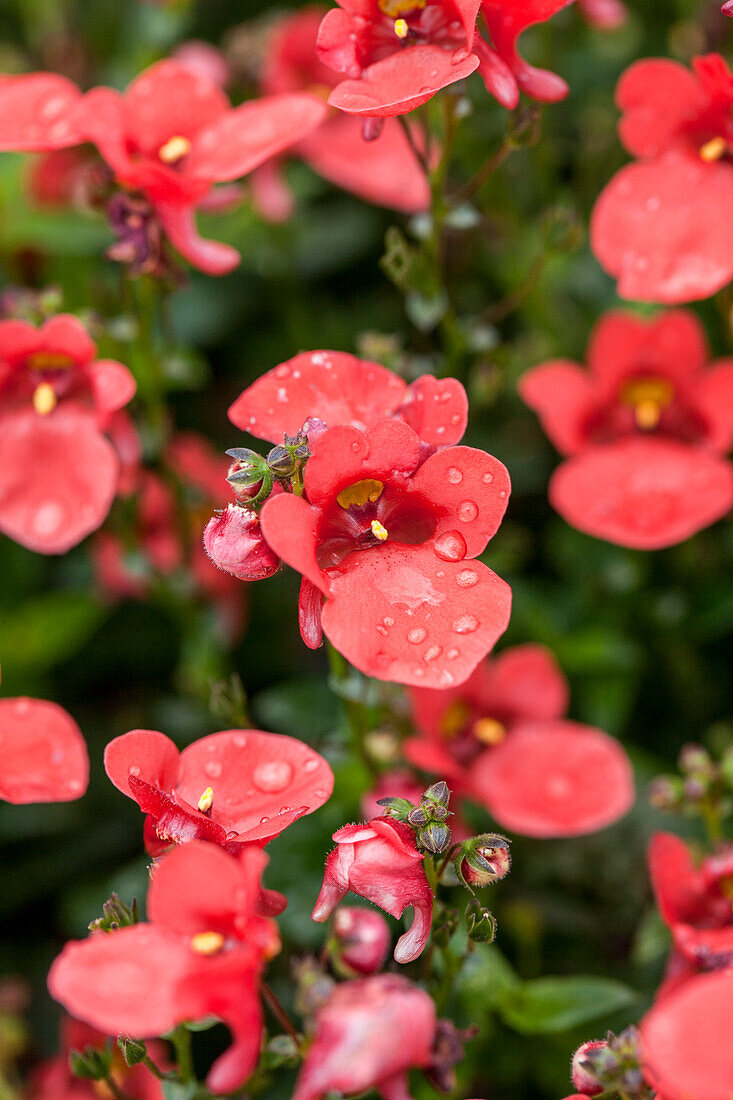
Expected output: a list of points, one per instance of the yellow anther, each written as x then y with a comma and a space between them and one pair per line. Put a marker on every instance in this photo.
49, 360
401, 28
206, 801
647, 414
44, 399
713, 149
174, 149
455, 719
488, 731
396, 8
207, 943
360, 493
649, 397
378, 531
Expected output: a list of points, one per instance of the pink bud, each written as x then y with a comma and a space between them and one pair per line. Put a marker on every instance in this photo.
235, 543
583, 1080
363, 938
493, 863
727, 8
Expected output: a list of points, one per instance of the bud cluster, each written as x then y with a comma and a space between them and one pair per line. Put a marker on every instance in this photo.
428, 819
116, 915
252, 476
483, 859
704, 783
610, 1065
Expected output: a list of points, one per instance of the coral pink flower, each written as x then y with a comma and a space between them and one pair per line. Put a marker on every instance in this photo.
687, 1040
645, 429
604, 15
58, 473
389, 543
200, 955
363, 939
661, 226
396, 54
380, 862
53, 1080
695, 903
383, 171
369, 1034
44, 754
172, 135
233, 788
337, 388
500, 740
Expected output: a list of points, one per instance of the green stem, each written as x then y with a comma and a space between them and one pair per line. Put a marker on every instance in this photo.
485, 173
355, 711
279, 1013
115, 1089
181, 1040
450, 330
711, 815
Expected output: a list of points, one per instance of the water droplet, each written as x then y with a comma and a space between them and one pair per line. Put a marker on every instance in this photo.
467, 511
455, 476
284, 809
133, 770
381, 630
264, 819
466, 624
467, 578
433, 653
451, 546
22, 706
388, 621
212, 769
487, 478
502, 493
282, 371
459, 55
355, 445
452, 654
272, 775
416, 635
239, 740
418, 672
320, 793
310, 765
455, 419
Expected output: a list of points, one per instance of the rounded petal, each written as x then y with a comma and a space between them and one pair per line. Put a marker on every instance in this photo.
437, 409
672, 344
713, 396
401, 613
168, 100
249, 135
37, 113
707, 948
384, 172
343, 455
402, 81
679, 890
331, 385
123, 981
44, 754
58, 477
254, 776
290, 527
179, 901
525, 681
65, 334
664, 228
506, 21
659, 97
144, 754
562, 395
18, 339
469, 490
643, 493
212, 257
687, 1040
554, 779
113, 386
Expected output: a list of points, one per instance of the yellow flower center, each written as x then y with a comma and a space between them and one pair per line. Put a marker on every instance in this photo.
360, 493
207, 943
401, 28
454, 720
648, 397
44, 399
206, 801
378, 531
174, 149
49, 360
395, 8
713, 149
488, 731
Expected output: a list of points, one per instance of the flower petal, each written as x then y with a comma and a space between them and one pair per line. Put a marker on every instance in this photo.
169, 100
469, 491
197, 888
44, 754
506, 21
643, 493
290, 527
65, 334
113, 386
524, 681
401, 613
553, 779
437, 409
144, 754
58, 477
714, 397
402, 81
37, 113
331, 385
344, 455
672, 344
659, 97
212, 257
562, 395
679, 890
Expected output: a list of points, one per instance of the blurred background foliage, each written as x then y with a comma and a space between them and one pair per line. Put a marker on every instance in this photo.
642, 637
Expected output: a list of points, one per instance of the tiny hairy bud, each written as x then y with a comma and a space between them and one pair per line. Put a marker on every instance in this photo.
133, 1050
696, 760
439, 792
92, 1063
433, 837
581, 1071
282, 462
484, 859
235, 543
480, 922
418, 817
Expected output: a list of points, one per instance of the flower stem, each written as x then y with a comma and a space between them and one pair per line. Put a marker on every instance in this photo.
181, 1040
279, 1013
355, 710
450, 330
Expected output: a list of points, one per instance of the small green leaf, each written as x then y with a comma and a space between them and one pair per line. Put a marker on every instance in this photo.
47, 629
486, 978
556, 1004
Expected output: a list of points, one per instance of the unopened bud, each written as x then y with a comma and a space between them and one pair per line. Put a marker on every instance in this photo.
133, 1050
665, 792
363, 939
282, 461
694, 789
418, 817
92, 1063
398, 808
583, 1077
235, 543
484, 859
433, 837
694, 759
480, 923
439, 792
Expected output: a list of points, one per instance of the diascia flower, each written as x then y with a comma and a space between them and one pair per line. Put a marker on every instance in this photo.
44, 754
53, 1080
369, 1034
200, 955
687, 1040
661, 227
695, 903
396, 54
389, 543
383, 171
645, 430
234, 788
58, 472
501, 740
380, 861
172, 135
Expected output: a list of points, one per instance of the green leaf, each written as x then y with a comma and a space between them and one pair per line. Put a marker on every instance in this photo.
174, 1090
485, 980
47, 629
557, 1004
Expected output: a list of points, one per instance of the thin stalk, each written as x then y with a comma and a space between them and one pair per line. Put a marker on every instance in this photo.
115, 1089
421, 158
181, 1040
279, 1013
355, 711
452, 337
487, 170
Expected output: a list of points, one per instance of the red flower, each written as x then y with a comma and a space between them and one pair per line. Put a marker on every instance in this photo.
500, 739
172, 135
234, 788
338, 388
380, 862
661, 226
695, 903
388, 542
368, 1035
645, 430
397, 54
383, 171
200, 955
687, 1040
44, 754
58, 473
363, 939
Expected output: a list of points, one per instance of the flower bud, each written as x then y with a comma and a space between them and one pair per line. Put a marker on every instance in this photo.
235, 543
433, 837
439, 792
583, 1077
418, 816
694, 759
92, 1064
363, 939
398, 808
485, 859
249, 474
282, 461
480, 922
665, 792
133, 1050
